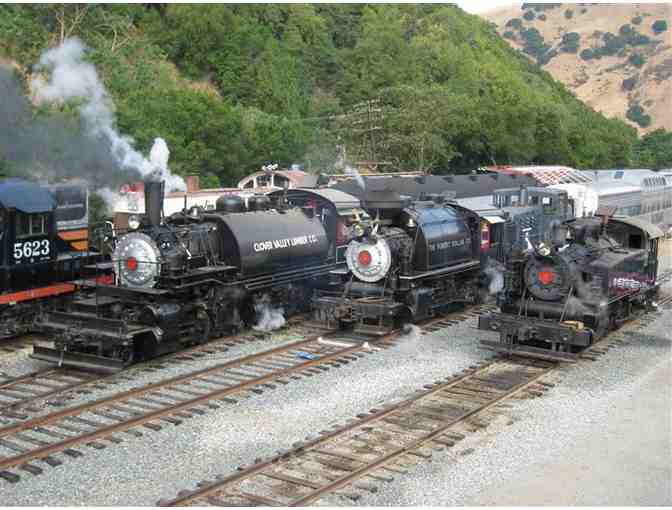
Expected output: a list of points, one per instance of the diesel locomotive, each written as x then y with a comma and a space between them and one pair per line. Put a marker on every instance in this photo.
195, 274
35, 267
561, 297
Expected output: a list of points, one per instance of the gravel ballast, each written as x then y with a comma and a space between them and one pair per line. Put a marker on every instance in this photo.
141, 471
601, 436
572, 425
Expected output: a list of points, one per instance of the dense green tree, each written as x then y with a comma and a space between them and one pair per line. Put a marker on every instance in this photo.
234, 86
659, 26
654, 150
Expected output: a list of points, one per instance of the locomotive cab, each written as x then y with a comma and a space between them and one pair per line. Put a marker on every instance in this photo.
559, 300
28, 235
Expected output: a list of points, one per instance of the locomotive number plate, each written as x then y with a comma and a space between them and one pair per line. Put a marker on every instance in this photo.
37, 249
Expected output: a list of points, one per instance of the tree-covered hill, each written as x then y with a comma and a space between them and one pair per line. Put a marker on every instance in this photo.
230, 87
615, 57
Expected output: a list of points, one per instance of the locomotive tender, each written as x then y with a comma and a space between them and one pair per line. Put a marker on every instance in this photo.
559, 299
196, 274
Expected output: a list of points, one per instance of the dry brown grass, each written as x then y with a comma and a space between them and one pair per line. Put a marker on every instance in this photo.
598, 82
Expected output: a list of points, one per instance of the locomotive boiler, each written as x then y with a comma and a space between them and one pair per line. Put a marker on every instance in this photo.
415, 259
559, 299
184, 279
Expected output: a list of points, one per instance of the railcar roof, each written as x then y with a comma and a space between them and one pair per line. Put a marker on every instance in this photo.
340, 199
25, 196
652, 230
464, 186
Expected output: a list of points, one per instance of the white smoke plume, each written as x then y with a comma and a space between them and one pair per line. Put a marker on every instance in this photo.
408, 342
268, 318
110, 197
70, 77
353, 172
495, 274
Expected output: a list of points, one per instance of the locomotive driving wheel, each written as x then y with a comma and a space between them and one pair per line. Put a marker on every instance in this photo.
124, 353
202, 327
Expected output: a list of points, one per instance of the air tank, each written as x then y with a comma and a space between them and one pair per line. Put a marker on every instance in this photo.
230, 204
258, 203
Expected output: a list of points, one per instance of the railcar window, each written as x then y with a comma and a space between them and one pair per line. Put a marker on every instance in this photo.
280, 181
30, 224
249, 184
535, 200
70, 204
635, 241
547, 201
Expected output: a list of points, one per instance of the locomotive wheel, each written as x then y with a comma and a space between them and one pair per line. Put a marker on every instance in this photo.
145, 347
123, 353
202, 328
404, 318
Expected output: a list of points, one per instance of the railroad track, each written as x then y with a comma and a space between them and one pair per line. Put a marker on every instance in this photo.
377, 445
13, 345
167, 402
41, 384
372, 445
21, 392
26, 445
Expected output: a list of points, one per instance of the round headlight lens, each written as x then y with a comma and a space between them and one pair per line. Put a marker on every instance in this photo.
543, 249
134, 222
358, 230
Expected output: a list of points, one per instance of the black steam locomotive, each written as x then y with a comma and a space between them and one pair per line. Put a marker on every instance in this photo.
559, 299
416, 258
183, 279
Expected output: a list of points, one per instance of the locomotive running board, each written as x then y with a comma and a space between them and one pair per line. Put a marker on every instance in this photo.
526, 351
78, 360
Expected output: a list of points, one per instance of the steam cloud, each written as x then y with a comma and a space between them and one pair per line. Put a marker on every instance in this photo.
353, 172
56, 147
496, 276
73, 78
268, 318
409, 342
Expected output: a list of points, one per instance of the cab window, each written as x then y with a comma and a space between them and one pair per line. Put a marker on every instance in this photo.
29, 225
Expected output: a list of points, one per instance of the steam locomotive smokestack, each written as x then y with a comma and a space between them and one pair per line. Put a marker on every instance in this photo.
154, 201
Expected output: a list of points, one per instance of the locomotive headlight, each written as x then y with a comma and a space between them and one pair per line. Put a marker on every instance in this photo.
369, 262
543, 249
358, 230
137, 260
134, 222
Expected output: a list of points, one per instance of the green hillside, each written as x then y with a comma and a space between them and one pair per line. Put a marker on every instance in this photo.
231, 87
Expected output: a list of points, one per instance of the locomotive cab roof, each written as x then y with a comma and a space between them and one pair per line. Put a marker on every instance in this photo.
25, 196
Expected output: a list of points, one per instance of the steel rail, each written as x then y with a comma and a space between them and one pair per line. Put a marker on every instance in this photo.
374, 416
107, 430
